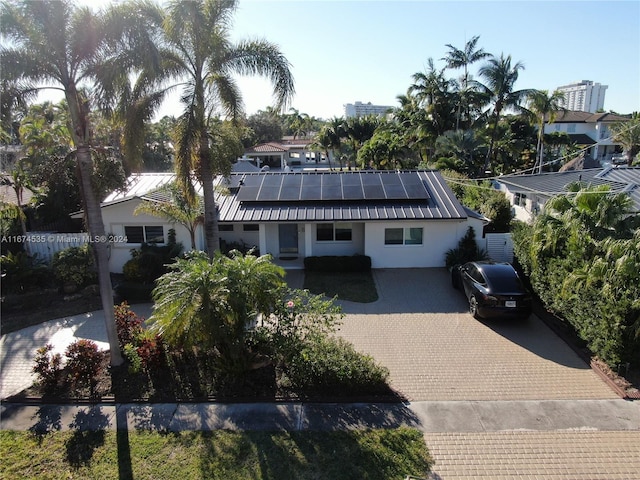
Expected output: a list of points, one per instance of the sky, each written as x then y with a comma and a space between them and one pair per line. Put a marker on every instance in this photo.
346, 51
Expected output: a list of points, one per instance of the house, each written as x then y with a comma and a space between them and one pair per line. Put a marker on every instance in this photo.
528, 193
287, 153
400, 219
591, 131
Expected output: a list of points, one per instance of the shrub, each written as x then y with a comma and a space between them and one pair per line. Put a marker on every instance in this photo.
133, 359
332, 364
22, 272
83, 361
128, 324
149, 262
355, 263
466, 251
75, 265
47, 368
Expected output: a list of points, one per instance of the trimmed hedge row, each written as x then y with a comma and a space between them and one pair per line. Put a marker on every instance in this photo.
355, 263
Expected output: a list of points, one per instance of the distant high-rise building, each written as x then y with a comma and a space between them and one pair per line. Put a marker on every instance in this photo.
360, 109
584, 96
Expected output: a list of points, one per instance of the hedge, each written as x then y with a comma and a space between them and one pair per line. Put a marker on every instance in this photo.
355, 263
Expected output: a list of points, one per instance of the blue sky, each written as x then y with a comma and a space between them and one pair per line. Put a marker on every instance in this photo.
343, 51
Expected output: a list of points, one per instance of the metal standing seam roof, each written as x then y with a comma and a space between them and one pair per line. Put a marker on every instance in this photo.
441, 205
547, 185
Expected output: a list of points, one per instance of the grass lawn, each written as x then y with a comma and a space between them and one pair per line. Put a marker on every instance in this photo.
371, 454
353, 286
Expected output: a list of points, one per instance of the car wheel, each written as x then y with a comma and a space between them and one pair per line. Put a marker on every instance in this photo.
473, 307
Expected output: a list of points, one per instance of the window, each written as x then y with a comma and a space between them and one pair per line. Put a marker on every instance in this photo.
294, 154
520, 199
403, 236
144, 234
571, 128
330, 232
251, 227
225, 227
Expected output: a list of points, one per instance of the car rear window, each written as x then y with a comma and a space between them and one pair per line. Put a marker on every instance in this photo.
505, 282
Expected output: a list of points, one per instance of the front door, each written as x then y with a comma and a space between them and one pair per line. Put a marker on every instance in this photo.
288, 234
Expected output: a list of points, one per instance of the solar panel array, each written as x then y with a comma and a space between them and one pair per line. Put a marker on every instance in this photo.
276, 187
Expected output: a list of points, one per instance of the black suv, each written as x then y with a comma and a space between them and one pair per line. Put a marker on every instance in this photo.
494, 290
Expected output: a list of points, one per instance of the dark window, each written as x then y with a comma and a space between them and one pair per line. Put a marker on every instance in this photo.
134, 234
393, 236
343, 232
413, 236
251, 227
146, 234
324, 232
154, 234
225, 227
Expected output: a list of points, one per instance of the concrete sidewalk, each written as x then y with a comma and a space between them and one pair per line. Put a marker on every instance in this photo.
449, 416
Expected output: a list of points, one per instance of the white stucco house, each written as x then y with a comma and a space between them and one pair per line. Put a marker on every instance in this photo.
589, 130
528, 193
287, 153
401, 219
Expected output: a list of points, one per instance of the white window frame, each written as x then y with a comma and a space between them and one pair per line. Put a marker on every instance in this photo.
335, 226
406, 237
145, 235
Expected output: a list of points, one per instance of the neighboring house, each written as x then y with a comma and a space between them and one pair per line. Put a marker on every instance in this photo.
589, 130
529, 193
399, 219
288, 152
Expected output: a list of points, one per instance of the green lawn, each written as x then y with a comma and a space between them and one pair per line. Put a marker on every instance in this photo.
371, 454
355, 287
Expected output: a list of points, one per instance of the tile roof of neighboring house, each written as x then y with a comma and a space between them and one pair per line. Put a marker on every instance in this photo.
572, 116
547, 185
8, 194
271, 147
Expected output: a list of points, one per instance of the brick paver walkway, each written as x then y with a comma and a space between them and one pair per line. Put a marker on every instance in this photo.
435, 350
556, 455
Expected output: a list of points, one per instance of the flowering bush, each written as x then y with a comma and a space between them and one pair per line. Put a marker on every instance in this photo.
47, 368
128, 324
83, 361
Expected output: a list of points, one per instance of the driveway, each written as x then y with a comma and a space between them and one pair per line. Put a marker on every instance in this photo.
420, 329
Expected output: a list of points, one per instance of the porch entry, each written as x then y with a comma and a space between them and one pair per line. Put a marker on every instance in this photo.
288, 237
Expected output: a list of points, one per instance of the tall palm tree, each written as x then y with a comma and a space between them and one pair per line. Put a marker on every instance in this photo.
457, 58
628, 135
500, 77
57, 45
199, 55
544, 107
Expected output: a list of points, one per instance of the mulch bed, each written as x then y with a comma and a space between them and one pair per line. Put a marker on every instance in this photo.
187, 380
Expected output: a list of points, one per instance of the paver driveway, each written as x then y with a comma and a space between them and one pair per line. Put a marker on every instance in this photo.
435, 350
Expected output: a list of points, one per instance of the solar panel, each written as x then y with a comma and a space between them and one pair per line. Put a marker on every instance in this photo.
331, 193
292, 180
311, 193
416, 191
370, 179
395, 192
252, 180
373, 192
314, 180
331, 180
352, 192
247, 194
268, 194
290, 193
351, 179
272, 180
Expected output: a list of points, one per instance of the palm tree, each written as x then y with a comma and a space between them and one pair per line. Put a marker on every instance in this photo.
544, 107
208, 303
462, 144
176, 208
198, 53
628, 135
500, 78
457, 58
57, 45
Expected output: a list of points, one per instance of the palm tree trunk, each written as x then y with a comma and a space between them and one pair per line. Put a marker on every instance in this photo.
487, 161
211, 233
95, 225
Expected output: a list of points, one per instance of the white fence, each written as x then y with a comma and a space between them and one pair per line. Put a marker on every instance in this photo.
45, 245
500, 247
